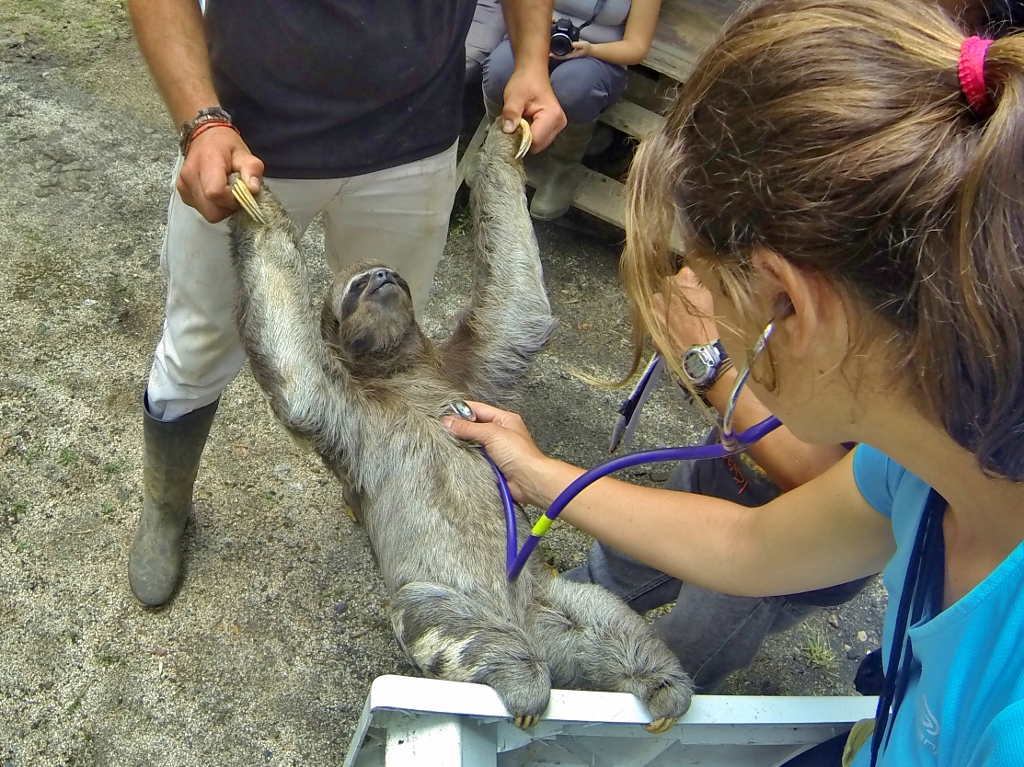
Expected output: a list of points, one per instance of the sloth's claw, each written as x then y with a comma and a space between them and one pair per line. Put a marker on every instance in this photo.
526, 721
241, 193
658, 726
526, 141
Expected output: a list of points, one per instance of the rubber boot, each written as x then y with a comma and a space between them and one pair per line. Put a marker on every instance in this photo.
170, 462
562, 171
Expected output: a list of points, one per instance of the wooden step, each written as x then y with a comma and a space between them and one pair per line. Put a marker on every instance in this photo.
631, 119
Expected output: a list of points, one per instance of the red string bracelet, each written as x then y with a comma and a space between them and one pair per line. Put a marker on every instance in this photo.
205, 126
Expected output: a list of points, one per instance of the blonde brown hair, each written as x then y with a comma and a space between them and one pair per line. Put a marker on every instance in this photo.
835, 133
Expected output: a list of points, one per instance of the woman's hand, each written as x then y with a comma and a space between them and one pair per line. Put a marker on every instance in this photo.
510, 446
580, 49
682, 326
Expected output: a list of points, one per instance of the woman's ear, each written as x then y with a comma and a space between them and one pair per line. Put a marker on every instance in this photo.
804, 303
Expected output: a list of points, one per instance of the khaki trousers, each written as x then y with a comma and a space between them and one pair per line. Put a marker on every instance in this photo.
398, 216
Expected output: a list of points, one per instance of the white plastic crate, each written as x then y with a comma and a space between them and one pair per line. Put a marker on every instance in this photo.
428, 723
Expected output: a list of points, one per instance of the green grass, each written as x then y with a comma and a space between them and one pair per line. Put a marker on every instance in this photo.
67, 457
70, 27
461, 224
818, 653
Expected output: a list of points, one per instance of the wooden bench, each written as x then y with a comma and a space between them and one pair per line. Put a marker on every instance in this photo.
685, 29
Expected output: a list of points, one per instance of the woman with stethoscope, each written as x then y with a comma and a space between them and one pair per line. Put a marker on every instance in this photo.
850, 172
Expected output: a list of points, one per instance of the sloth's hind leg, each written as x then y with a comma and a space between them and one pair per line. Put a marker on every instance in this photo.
454, 636
592, 638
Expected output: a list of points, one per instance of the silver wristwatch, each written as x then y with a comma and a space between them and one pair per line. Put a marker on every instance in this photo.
702, 363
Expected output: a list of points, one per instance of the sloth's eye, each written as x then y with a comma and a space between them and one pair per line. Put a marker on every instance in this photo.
359, 285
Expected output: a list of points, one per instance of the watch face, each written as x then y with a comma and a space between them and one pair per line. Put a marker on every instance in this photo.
695, 366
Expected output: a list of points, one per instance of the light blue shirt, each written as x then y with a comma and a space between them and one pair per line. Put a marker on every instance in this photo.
964, 706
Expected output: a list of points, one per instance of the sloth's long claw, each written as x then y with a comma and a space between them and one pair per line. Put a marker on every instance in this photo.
241, 193
526, 141
526, 721
659, 726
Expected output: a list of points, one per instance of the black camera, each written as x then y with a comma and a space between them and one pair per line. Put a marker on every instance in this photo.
563, 34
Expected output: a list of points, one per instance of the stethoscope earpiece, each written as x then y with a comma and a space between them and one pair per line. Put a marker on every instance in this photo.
783, 306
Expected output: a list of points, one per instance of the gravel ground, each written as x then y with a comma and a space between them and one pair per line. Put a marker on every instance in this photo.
267, 653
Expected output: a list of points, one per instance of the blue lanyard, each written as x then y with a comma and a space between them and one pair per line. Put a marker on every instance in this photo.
922, 591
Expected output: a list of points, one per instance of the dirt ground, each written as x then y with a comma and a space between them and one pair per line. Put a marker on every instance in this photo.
268, 651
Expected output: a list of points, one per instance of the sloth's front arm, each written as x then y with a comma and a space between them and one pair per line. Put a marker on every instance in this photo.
509, 319
308, 391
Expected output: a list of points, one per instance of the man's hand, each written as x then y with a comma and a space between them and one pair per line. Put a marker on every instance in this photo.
685, 326
528, 95
212, 157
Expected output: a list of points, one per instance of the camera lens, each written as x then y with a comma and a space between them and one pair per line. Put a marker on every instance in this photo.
561, 44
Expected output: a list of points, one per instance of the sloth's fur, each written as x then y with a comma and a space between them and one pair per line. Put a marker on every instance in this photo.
364, 387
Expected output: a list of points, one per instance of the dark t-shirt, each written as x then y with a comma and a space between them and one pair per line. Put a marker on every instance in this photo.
332, 88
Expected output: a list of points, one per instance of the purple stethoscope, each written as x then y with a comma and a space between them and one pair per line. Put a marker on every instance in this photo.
731, 443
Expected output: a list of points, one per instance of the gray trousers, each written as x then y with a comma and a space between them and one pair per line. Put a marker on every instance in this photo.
585, 87
486, 31
712, 634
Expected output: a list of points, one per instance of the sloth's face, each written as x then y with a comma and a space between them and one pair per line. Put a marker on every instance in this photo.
369, 311
378, 287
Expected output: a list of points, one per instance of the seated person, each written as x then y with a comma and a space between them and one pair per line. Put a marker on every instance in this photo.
715, 634
487, 30
586, 79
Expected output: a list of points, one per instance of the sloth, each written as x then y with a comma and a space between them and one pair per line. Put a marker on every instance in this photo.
365, 388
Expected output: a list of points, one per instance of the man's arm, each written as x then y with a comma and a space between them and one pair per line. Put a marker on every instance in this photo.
528, 92
172, 40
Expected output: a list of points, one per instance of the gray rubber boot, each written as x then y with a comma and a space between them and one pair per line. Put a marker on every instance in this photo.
170, 462
557, 186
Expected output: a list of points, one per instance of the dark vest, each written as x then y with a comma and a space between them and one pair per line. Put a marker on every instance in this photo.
331, 88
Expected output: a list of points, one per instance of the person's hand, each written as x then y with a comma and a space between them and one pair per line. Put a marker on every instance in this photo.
508, 443
203, 180
528, 95
580, 49
683, 326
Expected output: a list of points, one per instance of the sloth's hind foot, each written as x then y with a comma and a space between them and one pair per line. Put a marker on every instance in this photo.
451, 635
527, 721
658, 726
668, 701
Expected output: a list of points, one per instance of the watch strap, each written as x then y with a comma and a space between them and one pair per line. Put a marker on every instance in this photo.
724, 364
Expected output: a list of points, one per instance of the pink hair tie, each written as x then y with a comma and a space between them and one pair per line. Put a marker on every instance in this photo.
971, 69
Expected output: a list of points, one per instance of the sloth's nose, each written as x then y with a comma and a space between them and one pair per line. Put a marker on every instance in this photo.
381, 277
